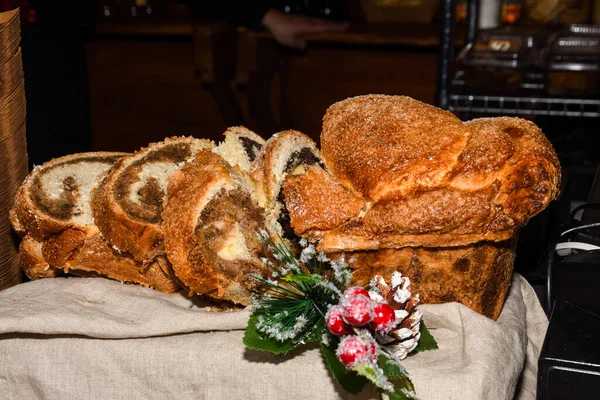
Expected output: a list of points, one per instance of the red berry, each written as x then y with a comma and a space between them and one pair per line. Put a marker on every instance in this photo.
384, 317
357, 310
354, 350
334, 321
356, 290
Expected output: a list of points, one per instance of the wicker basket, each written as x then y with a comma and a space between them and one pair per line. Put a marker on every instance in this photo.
13, 145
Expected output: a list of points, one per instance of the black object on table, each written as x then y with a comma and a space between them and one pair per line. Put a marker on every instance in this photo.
569, 364
576, 279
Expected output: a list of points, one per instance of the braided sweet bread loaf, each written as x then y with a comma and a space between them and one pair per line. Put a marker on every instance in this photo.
427, 179
439, 200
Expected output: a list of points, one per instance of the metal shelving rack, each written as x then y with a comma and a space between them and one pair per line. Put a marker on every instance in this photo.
554, 107
505, 105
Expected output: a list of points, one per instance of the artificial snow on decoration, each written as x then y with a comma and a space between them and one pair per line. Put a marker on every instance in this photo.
364, 334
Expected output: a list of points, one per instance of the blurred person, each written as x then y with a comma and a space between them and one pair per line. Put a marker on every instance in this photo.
54, 36
288, 30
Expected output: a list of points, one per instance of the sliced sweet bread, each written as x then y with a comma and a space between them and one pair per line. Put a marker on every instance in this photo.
53, 214
285, 154
56, 195
94, 257
211, 223
127, 205
240, 147
33, 262
97, 258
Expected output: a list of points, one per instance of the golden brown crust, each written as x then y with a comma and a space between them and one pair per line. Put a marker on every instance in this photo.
507, 173
96, 257
529, 179
240, 147
127, 225
202, 211
32, 261
390, 146
58, 249
27, 217
269, 168
317, 202
477, 275
16, 223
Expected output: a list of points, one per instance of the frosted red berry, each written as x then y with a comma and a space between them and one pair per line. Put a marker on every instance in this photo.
356, 290
357, 310
334, 321
354, 350
383, 317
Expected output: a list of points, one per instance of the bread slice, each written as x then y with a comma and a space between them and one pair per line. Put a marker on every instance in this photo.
240, 147
33, 262
55, 196
94, 257
127, 205
211, 223
286, 153
97, 258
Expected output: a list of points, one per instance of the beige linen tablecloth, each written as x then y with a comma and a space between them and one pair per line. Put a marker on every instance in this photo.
91, 338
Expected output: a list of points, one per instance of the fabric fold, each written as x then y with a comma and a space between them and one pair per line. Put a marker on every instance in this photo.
105, 309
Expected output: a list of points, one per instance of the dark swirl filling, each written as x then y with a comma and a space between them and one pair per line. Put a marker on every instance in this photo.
215, 229
150, 195
251, 147
64, 207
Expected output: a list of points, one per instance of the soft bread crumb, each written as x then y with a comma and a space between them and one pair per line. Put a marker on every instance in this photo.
235, 247
86, 176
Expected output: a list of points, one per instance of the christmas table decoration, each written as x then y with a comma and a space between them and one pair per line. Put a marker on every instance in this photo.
363, 333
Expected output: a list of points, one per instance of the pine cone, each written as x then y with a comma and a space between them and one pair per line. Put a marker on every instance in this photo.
404, 335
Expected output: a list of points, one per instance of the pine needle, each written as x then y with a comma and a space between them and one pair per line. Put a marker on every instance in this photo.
294, 307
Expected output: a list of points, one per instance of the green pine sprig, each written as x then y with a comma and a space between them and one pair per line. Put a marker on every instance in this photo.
289, 310
292, 309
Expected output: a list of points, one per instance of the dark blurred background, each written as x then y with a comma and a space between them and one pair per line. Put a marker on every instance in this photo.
115, 75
